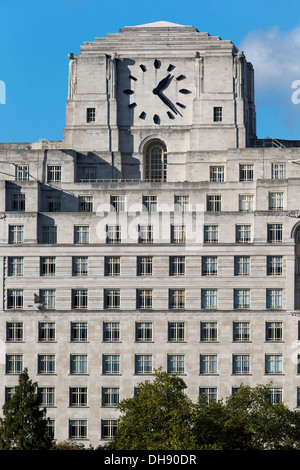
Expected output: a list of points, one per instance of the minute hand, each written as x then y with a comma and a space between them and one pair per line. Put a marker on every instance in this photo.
168, 103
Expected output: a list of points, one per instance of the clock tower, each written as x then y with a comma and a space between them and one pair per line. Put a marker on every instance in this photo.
159, 84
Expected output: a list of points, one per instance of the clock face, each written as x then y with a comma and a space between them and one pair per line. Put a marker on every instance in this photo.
156, 92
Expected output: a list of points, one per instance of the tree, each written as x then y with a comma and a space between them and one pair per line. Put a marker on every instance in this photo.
247, 420
24, 424
158, 418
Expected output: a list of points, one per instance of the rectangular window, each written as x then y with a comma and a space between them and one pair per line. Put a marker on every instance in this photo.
47, 266
144, 298
177, 265
273, 364
241, 331
150, 203
276, 201
47, 396
209, 265
178, 234
54, 203
273, 331
216, 174
49, 234
176, 331
112, 266
111, 331
175, 364
117, 203
208, 331
85, 203
181, 203
46, 364
46, 331
143, 364
15, 298
276, 395
176, 298
246, 172
54, 174
213, 203
144, 265
210, 393
278, 171
108, 428
81, 234
79, 331
211, 234
80, 266
241, 298
112, 298
14, 332
111, 364
79, 298
274, 298
14, 363
90, 114
218, 111
48, 298
274, 233
15, 234
209, 298
145, 234
89, 174
78, 364
110, 396
77, 429
208, 363
246, 202
143, 332
242, 265
113, 234
22, 173
274, 265
243, 233
241, 364
78, 396
15, 266
18, 202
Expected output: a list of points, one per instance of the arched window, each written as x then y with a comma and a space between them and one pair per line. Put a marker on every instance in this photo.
155, 161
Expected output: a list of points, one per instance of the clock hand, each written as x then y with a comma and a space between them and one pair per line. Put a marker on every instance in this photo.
163, 84
168, 103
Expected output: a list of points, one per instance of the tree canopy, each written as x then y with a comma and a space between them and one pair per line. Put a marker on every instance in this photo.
162, 417
24, 423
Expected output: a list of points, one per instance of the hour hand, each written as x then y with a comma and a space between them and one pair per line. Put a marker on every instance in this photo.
162, 84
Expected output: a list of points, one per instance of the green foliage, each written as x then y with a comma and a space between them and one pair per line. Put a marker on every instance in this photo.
162, 417
24, 425
158, 418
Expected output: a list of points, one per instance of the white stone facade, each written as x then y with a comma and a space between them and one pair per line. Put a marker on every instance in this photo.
201, 273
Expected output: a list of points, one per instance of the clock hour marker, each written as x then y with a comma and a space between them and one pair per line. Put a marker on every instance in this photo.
181, 77
128, 92
171, 67
132, 78
180, 105
170, 115
143, 67
184, 91
157, 64
132, 105
156, 119
142, 115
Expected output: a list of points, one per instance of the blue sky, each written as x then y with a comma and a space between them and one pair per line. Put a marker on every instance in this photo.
36, 37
